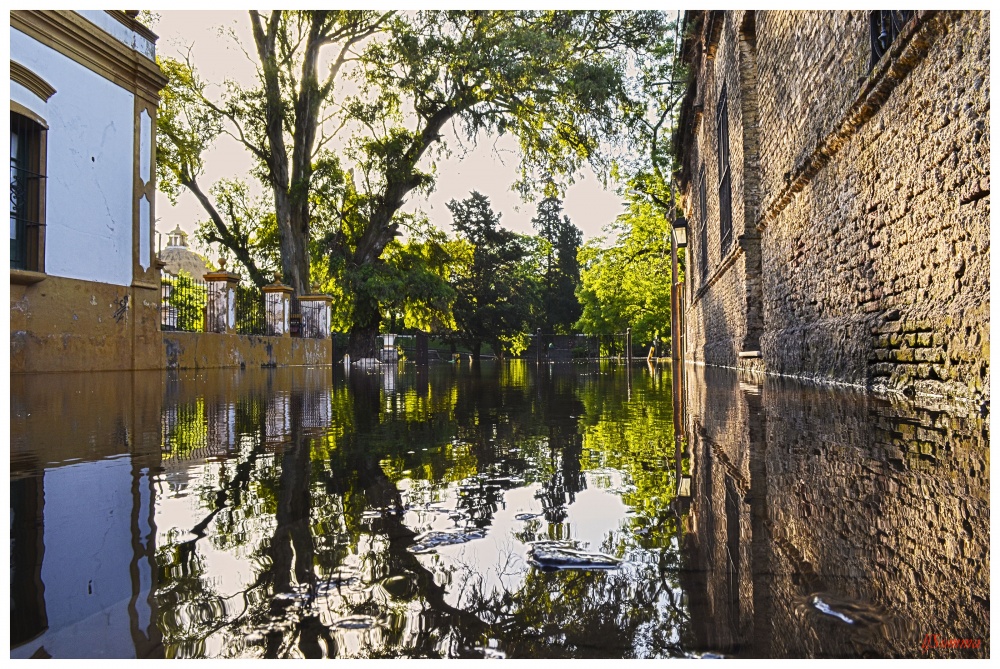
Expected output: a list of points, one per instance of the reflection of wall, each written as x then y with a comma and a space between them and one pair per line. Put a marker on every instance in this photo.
83, 447
798, 490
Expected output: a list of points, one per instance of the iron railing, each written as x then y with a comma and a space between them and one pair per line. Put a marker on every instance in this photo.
251, 316
183, 302
565, 348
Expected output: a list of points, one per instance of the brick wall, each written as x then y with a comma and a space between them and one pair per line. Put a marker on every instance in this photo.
725, 316
860, 199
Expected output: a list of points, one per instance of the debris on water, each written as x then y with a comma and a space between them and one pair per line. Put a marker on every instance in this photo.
526, 516
566, 555
430, 541
823, 607
400, 587
355, 623
848, 611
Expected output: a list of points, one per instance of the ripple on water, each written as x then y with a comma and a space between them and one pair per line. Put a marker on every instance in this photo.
429, 541
355, 623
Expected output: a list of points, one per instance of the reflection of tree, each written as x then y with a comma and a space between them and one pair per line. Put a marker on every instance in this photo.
321, 522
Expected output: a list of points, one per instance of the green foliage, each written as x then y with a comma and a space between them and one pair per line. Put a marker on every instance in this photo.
249, 218
185, 126
189, 299
495, 292
561, 273
627, 284
561, 82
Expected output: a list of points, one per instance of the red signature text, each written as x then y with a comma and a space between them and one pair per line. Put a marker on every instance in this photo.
934, 641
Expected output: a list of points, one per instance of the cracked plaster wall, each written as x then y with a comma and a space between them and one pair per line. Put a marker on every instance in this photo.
89, 163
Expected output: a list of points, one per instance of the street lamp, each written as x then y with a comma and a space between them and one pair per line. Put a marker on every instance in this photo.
680, 233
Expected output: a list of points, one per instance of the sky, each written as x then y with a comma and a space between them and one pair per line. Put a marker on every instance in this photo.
488, 167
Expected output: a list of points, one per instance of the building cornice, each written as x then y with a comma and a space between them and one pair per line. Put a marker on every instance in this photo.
81, 41
126, 20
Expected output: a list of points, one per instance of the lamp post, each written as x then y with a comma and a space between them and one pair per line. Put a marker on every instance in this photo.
679, 230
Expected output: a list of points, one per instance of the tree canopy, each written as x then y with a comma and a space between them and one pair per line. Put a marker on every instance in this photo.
561, 308
495, 291
351, 108
627, 283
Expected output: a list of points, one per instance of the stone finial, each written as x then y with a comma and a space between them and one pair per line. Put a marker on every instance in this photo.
277, 277
222, 264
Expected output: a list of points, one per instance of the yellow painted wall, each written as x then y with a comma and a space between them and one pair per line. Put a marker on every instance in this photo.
195, 350
68, 325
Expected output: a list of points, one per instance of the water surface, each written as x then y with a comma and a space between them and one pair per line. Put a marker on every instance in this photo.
508, 511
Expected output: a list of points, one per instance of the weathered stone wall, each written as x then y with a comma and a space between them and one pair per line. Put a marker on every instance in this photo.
872, 203
725, 316
206, 350
879, 508
877, 265
66, 325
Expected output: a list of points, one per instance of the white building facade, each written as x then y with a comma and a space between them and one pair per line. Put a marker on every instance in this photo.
83, 97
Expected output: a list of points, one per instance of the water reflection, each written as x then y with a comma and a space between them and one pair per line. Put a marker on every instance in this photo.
285, 513
827, 523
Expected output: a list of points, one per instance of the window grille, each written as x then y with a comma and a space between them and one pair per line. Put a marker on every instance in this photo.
703, 240
27, 192
725, 187
885, 26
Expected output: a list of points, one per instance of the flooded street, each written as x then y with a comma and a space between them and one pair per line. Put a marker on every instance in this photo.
515, 511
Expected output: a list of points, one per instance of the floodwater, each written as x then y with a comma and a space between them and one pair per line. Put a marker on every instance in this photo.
509, 511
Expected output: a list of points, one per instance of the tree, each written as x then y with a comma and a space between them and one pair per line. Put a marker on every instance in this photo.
555, 80
561, 308
250, 234
280, 122
627, 284
493, 293
558, 81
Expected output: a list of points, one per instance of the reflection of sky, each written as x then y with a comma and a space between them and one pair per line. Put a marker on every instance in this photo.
228, 571
498, 561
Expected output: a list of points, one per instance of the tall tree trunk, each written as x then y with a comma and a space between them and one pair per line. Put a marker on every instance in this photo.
293, 225
363, 342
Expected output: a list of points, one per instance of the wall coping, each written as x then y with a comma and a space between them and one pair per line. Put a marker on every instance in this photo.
316, 298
